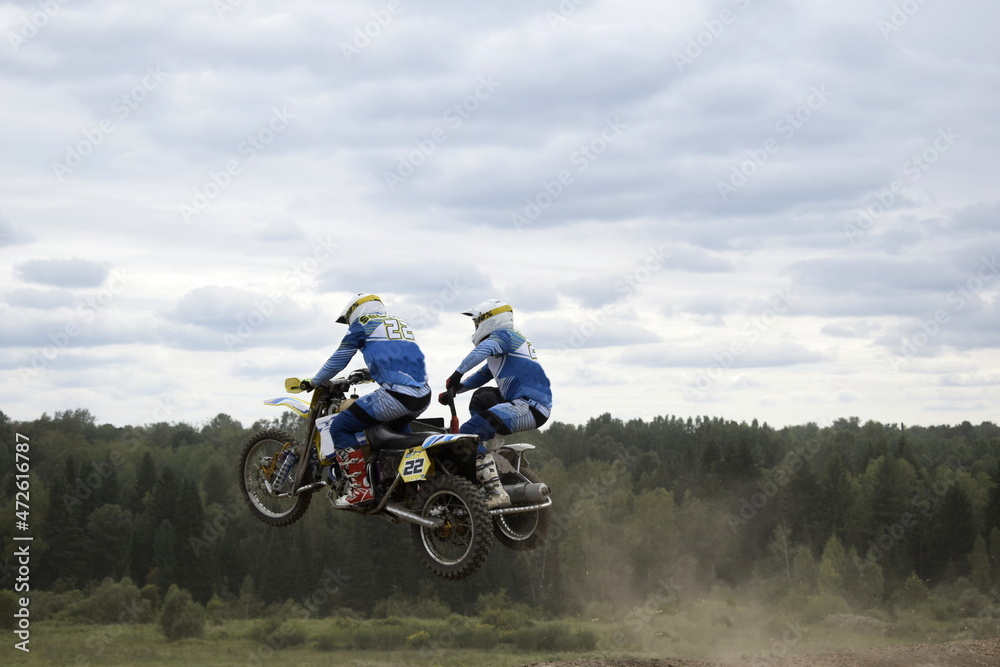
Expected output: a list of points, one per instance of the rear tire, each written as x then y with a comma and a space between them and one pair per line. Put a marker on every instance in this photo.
461, 545
527, 530
258, 462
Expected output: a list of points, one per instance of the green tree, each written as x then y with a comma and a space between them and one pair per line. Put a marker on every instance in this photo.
145, 480
165, 555
952, 536
979, 565
109, 528
193, 567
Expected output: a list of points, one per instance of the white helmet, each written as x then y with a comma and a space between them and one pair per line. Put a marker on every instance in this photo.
489, 316
362, 304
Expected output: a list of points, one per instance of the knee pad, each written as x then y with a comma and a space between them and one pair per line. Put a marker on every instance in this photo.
484, 398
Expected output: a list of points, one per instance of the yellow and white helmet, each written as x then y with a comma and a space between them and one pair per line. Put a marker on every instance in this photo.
489, 316
361, 304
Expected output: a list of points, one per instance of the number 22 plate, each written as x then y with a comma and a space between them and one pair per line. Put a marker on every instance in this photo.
415, 466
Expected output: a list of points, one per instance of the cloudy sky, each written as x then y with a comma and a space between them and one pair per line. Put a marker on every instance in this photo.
773, 209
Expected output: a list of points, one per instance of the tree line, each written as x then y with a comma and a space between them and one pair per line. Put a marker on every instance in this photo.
662, 509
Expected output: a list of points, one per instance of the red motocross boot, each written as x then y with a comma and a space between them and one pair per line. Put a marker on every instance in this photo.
359, 491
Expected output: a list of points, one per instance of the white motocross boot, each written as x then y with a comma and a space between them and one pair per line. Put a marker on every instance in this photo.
489, 479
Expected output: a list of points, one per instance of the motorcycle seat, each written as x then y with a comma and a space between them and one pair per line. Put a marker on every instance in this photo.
382, 437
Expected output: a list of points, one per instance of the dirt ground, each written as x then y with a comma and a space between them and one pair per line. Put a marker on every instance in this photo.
969, 653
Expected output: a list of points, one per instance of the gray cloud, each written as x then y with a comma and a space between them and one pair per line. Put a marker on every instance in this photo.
73, 272
41, 299
10, 234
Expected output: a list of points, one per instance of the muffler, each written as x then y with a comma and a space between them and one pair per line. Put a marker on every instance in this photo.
527, 492
412, 517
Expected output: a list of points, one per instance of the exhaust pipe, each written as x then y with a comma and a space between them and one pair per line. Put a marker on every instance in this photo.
412, 517
527, 492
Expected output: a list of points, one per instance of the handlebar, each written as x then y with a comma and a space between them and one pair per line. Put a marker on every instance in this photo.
449, 395
359, 376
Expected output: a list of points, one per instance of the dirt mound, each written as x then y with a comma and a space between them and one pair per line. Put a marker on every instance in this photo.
968, 653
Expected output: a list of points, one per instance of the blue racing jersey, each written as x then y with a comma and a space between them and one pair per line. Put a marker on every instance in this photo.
390, 350
512, 361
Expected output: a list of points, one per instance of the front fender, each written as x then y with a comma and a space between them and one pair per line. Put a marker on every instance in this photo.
301, 408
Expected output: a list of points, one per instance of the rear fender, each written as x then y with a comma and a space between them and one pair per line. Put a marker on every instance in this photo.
450, 439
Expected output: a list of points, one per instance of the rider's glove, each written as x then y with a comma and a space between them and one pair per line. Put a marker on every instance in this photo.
307, 385
454, 383
452, 386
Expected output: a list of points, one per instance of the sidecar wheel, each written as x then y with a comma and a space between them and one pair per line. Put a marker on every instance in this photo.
460, 546
527, 530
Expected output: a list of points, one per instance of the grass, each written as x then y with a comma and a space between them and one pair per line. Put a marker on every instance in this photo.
711, 627
235, 643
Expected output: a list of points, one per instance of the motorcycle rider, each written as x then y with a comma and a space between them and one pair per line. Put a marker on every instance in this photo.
396, 362
522, 399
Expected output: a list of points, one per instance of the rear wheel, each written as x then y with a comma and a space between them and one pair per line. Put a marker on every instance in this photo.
260, 464
461, 544
523, 531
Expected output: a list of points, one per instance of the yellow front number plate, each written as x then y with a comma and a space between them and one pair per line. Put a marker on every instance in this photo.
415, 466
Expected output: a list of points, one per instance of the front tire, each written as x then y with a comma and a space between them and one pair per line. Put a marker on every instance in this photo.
526, 530
460, 546
259, 463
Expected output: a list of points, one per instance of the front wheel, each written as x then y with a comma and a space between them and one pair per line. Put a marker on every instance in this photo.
526, 530
461, 544
260, 465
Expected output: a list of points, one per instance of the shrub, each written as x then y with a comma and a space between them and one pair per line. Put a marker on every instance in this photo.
476, 635
217, 610
426, 605
278, 633
181, 616
910, 595
111, 603
46, 604
498, 610
553, 637
824, 604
